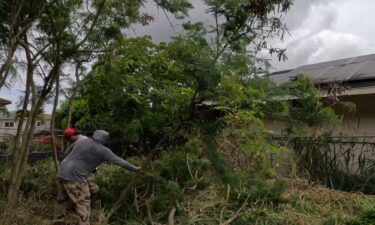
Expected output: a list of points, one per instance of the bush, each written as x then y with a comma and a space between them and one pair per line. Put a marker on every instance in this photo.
40, 180
4, 146
366, 218
161, 188
40, 148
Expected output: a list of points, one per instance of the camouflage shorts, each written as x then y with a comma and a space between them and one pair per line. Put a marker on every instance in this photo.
75, 197
94, 191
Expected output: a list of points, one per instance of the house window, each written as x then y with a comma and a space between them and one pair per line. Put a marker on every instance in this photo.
38, 124
9, 124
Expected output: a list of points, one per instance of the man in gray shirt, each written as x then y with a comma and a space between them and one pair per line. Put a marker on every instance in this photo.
71, 136
84, 155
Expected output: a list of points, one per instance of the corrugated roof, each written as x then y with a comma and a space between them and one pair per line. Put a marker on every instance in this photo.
4, 102
350, 69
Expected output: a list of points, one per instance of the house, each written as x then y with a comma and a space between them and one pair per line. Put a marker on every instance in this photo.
4, 102
356, 79
9, 124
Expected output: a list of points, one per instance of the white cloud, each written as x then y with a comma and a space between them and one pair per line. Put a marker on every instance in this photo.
328, 30
320, 29
332, 45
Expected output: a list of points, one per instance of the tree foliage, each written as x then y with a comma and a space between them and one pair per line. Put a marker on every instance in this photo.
149, 95
307, 112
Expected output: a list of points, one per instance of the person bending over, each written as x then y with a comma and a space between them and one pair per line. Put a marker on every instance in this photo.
84, 156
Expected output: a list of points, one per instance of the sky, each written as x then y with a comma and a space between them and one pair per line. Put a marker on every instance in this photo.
320, 30
323, 30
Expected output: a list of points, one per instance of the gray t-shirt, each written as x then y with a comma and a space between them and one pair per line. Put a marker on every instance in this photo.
86, 154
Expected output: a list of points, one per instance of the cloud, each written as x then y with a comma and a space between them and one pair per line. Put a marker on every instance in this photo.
324, 46
332, 45
300, 10
328, 30
320, 29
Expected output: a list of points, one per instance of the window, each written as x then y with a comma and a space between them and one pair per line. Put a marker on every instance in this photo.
9, 124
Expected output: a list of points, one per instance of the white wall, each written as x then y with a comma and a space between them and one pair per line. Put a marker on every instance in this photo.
8, 132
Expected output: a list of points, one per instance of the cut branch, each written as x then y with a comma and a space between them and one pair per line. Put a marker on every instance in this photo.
237, 214
171, 214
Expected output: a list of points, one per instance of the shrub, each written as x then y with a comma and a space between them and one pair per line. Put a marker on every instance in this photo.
366, 218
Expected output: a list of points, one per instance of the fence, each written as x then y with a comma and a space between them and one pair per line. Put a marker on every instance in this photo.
345, 163
41, 146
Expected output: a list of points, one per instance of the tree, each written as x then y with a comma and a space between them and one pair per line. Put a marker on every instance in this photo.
16, 20
247, 22
138, 75
308, 114
54, 34
156, 97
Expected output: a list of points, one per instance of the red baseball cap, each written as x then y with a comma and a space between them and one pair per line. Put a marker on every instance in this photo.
69, 132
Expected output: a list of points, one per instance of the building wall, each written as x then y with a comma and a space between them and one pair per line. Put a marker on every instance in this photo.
362, 121
276, 127
358, 123
7, 133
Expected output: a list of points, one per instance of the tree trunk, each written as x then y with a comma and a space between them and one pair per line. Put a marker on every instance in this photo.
22, 151
5, 68
16, 154
55, 154
53, 140
70, 109
74, 95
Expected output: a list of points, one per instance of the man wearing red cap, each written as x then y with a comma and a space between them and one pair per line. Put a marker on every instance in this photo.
70, 135
85, 154
64, 202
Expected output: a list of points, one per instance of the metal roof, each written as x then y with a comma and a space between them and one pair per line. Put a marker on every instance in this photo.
343, 70
4, 102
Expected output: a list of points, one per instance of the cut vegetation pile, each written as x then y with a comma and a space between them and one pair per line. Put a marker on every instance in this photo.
210, 203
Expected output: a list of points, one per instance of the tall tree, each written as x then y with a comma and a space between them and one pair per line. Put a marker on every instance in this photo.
247, 24
16, 20
158, 94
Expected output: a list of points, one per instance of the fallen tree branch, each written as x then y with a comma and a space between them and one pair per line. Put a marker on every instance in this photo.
237, 214
171, 216
136, 200
225, 205
149, 216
